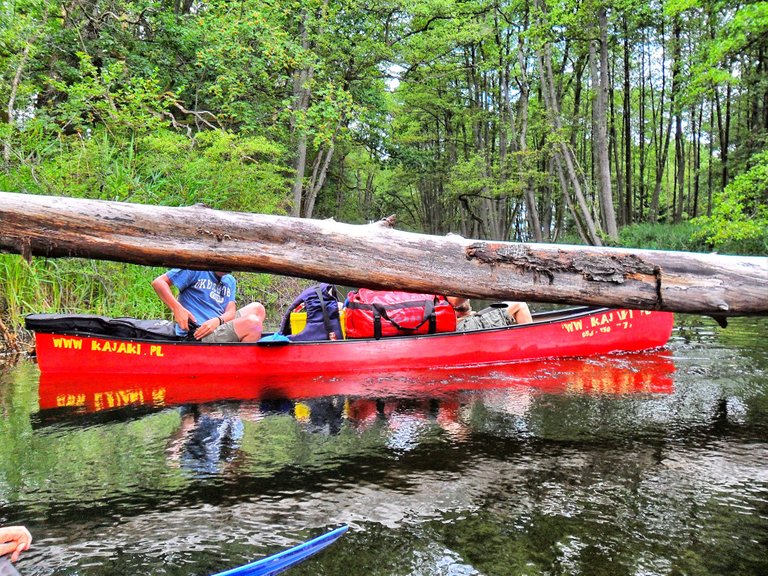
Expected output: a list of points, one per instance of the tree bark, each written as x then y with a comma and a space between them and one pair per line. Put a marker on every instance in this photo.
679, 167
627, 125
641, 135
724, 130
592, 140
378, 257
301, 97
532, 210
679, 138
615, 147
662, 147
550, 99
319, 172
304, 201
563, 150
580, 227
697, 114
604, 167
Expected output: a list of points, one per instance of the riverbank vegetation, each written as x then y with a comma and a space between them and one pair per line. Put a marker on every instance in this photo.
602, 122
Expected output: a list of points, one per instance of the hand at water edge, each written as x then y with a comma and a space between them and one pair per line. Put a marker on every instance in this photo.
14, 540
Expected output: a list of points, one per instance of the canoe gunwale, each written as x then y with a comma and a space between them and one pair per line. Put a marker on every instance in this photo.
539, 319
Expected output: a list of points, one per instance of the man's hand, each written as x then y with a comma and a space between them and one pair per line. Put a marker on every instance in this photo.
183, 318
14, 540
206, 328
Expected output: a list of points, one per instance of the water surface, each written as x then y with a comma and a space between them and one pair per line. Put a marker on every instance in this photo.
653, 463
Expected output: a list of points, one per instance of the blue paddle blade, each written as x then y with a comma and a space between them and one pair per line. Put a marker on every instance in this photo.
6, 568
283, 560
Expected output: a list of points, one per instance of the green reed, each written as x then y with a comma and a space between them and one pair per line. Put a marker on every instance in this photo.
75, 285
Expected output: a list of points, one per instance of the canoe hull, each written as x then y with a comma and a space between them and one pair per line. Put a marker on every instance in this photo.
574, 333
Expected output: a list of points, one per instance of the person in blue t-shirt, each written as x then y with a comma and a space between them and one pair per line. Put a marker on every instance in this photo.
206, 299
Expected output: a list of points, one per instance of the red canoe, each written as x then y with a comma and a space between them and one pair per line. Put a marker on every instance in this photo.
75, 344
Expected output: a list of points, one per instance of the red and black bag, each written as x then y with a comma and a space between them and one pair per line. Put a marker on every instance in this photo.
376, 314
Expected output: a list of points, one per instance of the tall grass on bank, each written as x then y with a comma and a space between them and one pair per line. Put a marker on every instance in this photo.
26, 287
684, 237
679, 237
643, 236
77, 286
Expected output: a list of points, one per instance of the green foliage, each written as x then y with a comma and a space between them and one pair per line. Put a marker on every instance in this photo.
221, 169
175, 103
244, 58
26, 287
739, 221
184, 103
470, 177
109, 96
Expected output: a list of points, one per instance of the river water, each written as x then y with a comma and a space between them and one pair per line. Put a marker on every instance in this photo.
642, 464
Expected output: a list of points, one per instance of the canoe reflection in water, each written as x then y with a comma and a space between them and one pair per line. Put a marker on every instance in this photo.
406, 403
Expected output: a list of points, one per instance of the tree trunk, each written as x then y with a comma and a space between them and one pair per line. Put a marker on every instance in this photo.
627, 114
299, 167
616, 149
532, 210
604, 165
662, 148
575, 214
378, 257
301, 97
564, 151
711, 161
679, 138
698, 117
594, 133
679, 168
724, 130
641, 132
319, 173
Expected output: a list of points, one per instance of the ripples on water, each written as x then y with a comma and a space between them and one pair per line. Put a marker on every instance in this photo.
639, 464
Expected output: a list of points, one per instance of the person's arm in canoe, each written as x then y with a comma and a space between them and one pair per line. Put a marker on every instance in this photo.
162, 285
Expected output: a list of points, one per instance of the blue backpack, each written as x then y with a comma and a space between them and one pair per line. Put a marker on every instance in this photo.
321, 303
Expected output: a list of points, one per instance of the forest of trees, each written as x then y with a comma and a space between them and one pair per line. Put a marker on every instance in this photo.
533, 120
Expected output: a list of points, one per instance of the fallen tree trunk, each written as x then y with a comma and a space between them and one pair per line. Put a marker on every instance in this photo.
377, 256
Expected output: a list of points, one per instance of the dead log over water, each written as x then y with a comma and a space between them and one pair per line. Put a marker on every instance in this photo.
378, 256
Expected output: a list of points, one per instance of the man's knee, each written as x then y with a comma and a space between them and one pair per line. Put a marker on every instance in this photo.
254, 309
519, 311
250, 325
